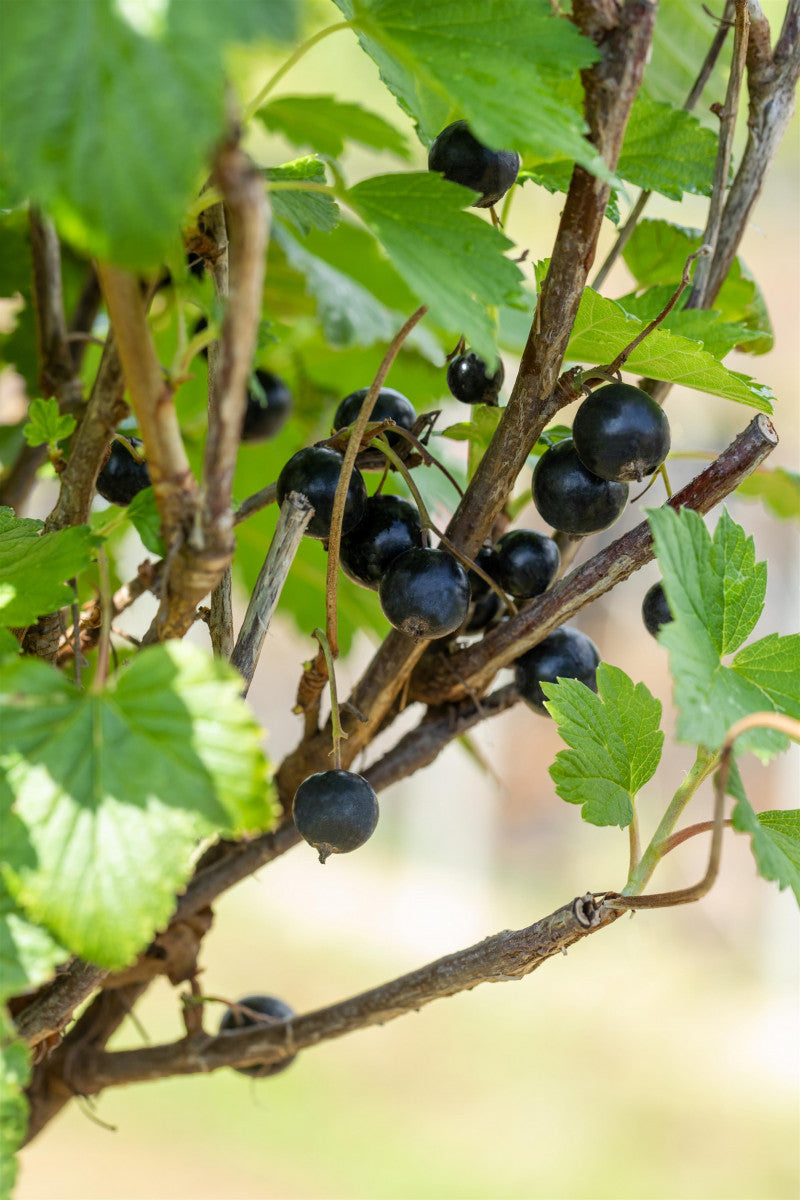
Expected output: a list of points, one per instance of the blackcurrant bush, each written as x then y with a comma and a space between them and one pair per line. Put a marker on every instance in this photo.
469, 380
525, 563
425, 594
314, 473
461, 158
269, 403
122, 476
565, 654
390, 406
620, 433
570, 497
655, 610
270, 1010
389, 527
482, 612
335, 811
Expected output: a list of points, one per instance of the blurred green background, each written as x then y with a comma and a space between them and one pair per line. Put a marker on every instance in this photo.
659, 1060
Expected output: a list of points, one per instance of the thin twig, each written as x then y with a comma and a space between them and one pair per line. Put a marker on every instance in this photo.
295, 514
759, 720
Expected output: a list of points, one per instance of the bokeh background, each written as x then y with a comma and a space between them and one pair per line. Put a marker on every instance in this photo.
658, 1060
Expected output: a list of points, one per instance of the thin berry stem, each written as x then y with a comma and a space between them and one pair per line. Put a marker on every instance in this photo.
285, 67
336, 725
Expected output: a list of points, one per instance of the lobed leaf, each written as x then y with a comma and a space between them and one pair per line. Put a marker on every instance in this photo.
452, 260
15, 1073
667, 150
325, 124
777, 488
305, 210
715, 591
28, 953
614, 739
34, 567
46, 426
603, 329
775, 842
113, 789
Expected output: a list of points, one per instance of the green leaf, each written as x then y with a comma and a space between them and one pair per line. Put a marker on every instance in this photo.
325, 123
478, 431
114, 135
349, 313
46, 426
305, 210
9, 646
15, 1074
703, 325
113, 790
492, 64
34, 567
556, 177
715, 590
667, 150
28, 954
656, 254
452, 260
602, 329
775, 842
614, 739
231, 20
19, 345
778, 489
146, 520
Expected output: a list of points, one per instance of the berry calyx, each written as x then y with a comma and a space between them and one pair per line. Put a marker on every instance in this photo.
620, 433
564, 654
389, 406
655, 610
314, 473
390, 526
425, 594
570, 497
122, 476
269, 403
270, 1010
469, 380
461, 158
526, 563
335, 811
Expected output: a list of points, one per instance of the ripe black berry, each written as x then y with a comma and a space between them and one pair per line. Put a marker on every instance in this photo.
314, 473
425, 594
469, 380
620, 433
484, 602
389, 527
390, 406
335, 811
571, 498
122, 476
655, 610
271, 1010
482, 612
525, 563
565, 654
478, 586
269, 403
461, 158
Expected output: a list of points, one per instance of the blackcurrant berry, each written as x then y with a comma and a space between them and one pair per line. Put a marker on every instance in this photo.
425, 594
271, 1010
655, 610
269, 403
469, 380
478, 587
389, 527
525, 563
482, 612
390, 406
335, 811
461, 158
565, 654
314, 473
571, 498
122, 476
620, 433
